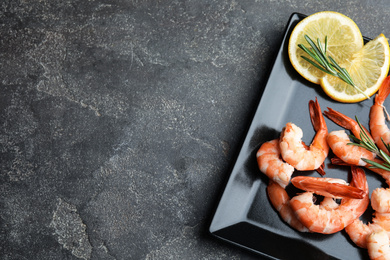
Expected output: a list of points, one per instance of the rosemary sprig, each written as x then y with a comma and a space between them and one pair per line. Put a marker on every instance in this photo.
326, 63
367, 143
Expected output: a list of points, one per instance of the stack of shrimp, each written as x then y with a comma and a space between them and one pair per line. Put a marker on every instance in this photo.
278, 159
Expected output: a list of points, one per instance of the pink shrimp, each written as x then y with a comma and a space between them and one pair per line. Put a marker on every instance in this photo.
281, 201
350, 154
378, 127
358, 231
338, 140
380, 202
271, 164
295, 152
327, 221
353, 154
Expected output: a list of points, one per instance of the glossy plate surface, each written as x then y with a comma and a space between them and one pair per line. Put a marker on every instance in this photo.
244, 215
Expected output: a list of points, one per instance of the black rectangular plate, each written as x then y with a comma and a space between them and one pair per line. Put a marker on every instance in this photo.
244, 215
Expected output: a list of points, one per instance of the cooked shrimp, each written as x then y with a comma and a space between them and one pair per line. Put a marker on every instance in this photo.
326, 221
353, 155
350, 154
281, 202
295, 152
378, 127
378, 245
271, 164
338, 140
358, 231
380, 202
328, 187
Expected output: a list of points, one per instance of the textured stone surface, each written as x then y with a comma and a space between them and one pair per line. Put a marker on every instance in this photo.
70, 230
120, 119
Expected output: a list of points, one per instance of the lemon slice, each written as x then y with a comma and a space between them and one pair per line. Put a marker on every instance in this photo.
344, 39
367, 68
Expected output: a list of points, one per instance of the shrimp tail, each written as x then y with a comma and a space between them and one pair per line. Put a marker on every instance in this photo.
338, 118
331, 189
383, 92
316, 117
358, 178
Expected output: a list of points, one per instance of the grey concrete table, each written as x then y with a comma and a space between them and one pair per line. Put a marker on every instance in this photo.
120, 119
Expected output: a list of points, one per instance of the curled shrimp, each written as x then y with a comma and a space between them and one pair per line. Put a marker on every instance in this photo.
359, 232
327, 221
378, 127
380, 202
281, 201
271, 164
295, 152
339, 140
350, 154
339, 144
